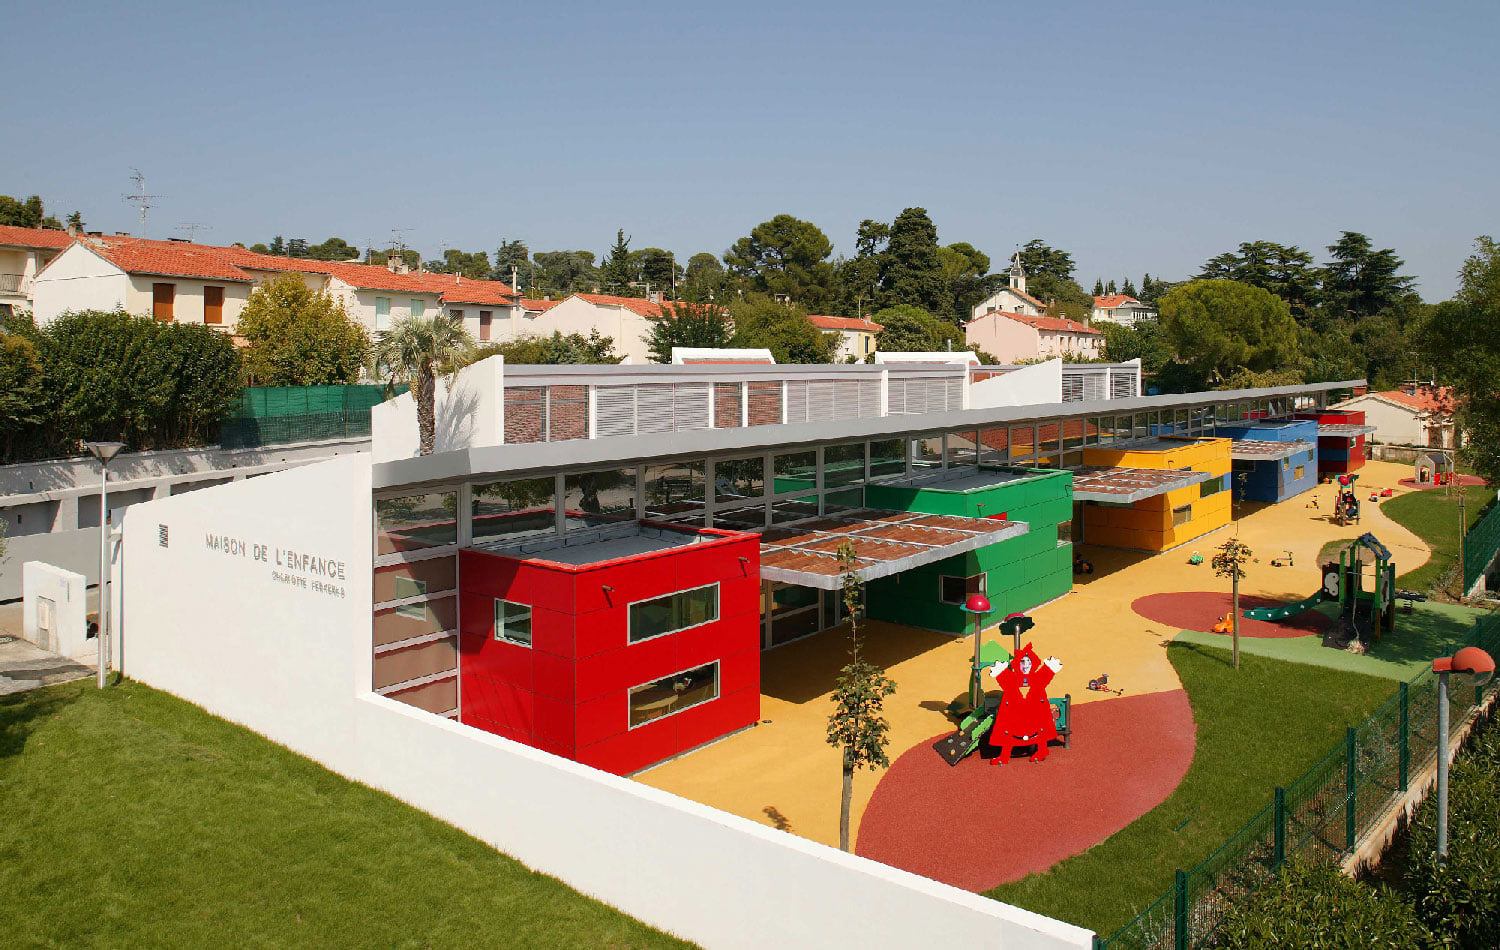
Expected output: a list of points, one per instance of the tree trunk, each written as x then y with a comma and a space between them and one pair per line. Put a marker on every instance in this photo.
1235, 617
844, 803
426, 414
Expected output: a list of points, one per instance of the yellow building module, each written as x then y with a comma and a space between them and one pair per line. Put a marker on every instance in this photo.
1173, 517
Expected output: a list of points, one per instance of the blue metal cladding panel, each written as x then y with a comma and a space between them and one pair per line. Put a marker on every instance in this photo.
1274, 480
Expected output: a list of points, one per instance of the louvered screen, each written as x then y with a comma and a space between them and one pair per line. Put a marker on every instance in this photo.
1121, 385
1072, 389
654, 409
954, 389
820, 401
895, 399
869, 398
690, 404
615, 414
796, 402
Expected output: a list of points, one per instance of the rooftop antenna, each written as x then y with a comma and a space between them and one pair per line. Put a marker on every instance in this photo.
192, 228
140, 197
398, 243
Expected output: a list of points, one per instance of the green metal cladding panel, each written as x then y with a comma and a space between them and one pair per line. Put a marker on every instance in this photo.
1020, 573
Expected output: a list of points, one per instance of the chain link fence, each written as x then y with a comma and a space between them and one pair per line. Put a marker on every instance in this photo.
1481, 543
1326, 812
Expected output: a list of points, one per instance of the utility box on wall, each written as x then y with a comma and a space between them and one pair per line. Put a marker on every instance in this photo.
55, 605
619, 652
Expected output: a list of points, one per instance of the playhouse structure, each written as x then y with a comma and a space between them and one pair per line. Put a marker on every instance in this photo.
1362, 583
1273, 460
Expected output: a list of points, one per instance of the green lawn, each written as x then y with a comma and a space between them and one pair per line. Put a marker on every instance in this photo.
1429, 630
1258, 727
131, 818
1433, 516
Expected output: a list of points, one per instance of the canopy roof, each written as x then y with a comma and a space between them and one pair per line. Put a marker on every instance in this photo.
1124, 486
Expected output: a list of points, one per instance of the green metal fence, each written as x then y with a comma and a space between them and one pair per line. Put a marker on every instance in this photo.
1325, 812
1480, 545
273, 415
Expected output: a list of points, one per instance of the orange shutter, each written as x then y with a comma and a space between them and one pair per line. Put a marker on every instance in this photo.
162, 296
213, 305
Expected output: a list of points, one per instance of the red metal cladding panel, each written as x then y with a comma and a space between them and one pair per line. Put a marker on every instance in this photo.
515, 709
485, 573
712, 641
552, 676
598, 719
476, 698
508, 663
600, 631
739, 596
710, 721
629, 580
555, 722
633, 750
629, 666
561, 749
476, 614
740, 672
544, 586
553, 632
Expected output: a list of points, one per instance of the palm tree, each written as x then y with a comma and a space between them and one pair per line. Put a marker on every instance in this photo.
416, 349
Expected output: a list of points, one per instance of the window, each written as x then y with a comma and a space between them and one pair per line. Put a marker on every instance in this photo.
1286, 463
1300, 471
674, 490
513, 622
162, 298
887, 458
1212, 487
382, 313
512, 510
844, 464
410, 587
416, 521
213, 305
739, 478
595, 498
672, 694
956, 590
1182, 515
1064, 532
485, 316
417, 307
797, 471
662, 615
456, 315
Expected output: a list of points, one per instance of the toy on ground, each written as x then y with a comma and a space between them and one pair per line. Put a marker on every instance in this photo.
1101, 685
1411, 597
1363, 614
1195, 559
1283, 561
1024, 717
1387, 493
1225, 624
1080, 566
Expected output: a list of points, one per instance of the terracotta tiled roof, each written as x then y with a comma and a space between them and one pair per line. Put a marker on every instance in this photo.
1023, 295
538, 306
468, 290
634, 304
167, 258
843, 323
1053, 324
12, 236
358, 276
1425, 399
1112, 301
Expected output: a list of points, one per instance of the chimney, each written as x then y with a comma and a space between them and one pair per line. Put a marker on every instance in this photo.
72, 230
122, 234
1361, 390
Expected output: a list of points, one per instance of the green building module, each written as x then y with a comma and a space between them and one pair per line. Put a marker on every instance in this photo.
1019, 574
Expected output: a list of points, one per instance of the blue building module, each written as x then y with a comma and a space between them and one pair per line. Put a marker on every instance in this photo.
1277, 475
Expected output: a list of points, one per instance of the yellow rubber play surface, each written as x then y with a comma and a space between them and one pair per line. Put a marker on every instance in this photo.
783, 772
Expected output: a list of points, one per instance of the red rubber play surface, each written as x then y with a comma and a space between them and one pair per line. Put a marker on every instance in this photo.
1428, 486
1200, 610
977, 826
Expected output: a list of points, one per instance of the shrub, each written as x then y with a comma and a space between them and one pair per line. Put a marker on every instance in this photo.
1312, 904
1462, 896
300, 337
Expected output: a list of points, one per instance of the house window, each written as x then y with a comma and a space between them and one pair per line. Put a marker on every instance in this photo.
1299, 472
382, 313
162, 297
663, 615
1064, 532
404, 587
457, 315
1286, 463
213, 305
1182, 515
957, 590
673, 694
513, 622
417, 307
1212, 487
485, 316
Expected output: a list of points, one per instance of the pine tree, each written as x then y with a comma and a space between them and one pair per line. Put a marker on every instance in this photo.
1110, 288
1098, 288
1128, 289
618, 270
278, 246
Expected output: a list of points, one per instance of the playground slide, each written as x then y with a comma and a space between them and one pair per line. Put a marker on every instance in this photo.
1283, 611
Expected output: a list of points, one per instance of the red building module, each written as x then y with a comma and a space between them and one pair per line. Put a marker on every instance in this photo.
618, 652
1338, 454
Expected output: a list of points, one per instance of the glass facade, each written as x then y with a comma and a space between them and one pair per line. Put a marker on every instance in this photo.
512, 510
672, 694
413, 522
591, 499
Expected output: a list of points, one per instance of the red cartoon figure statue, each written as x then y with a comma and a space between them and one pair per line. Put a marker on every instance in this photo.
1025, 716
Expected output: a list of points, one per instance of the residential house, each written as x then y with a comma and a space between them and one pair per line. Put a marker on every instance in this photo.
1417, 414
489, 309
1012, 299
625, 320
1122, 309
182, 282
24, 252
1019, 337
856, 336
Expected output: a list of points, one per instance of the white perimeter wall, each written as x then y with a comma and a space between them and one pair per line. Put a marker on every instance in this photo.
218, 629
470, 412
1027, 386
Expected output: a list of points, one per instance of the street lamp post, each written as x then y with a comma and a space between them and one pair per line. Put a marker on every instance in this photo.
1481, 666
104, 452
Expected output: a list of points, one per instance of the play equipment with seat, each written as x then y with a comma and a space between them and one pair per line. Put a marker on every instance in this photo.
1346, 506
1363, 614
983, 710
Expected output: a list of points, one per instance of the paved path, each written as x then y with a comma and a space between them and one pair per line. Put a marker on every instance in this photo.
25, 666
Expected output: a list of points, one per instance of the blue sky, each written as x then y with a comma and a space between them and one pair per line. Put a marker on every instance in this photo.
1141, 137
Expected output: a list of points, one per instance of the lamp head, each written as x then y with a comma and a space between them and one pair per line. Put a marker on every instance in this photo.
977, 604
104, 451
1470, 661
